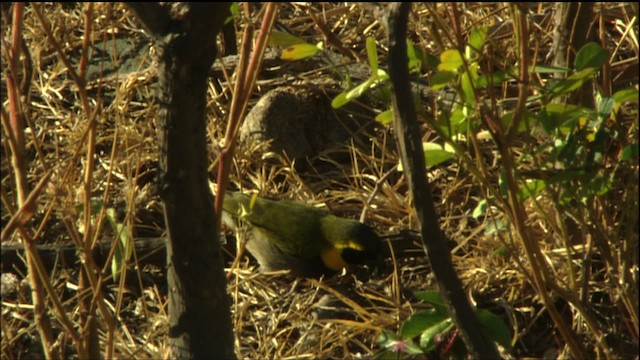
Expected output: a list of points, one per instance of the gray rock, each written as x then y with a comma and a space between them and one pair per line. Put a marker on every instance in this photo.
299, 122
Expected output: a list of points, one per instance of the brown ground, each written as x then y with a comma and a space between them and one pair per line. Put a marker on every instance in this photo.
276, 316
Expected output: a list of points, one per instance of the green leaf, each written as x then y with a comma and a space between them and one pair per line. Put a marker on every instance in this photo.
527, 120
441, 79
624, 95
506, 119
477, 37
548, 122
417, 323
385, 118
497, 78
415, 61
299, 51
495, 227
432, 61
431, 336
340, 100
605, 107
380, 75
435, 154
411, 348
590, 56
565, 111
435, 299
281, 38
573, 82
561, 116
500, 251
548, 69
458, 120
124, 248
468, 82
495, 328
234, 9
357, 91
372, 54
531, 189
450, 60
480, 209
630, 153
346, 96
598, 186
386, 336
96, 206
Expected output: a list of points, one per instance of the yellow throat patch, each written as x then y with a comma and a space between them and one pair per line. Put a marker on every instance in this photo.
332, 259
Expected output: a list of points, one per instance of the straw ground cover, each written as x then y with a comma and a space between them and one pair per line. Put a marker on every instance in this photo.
94, 142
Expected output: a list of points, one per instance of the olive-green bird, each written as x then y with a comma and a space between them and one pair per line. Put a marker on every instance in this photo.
304, 239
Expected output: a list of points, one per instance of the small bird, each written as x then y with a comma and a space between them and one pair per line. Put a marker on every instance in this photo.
304, 239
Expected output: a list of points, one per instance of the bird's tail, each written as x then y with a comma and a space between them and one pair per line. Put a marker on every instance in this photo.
236, 203
233, 201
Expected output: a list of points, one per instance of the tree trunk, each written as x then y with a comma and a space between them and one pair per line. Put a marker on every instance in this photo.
199, 306
573, 29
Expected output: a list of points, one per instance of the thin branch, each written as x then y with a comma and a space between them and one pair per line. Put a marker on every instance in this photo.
410, 146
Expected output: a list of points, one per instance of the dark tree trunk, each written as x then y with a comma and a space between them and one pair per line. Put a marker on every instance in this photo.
199, 306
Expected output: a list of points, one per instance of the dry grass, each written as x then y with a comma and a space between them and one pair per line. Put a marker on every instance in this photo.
275, 316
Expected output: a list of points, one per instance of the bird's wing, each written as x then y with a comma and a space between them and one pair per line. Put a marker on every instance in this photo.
294, 227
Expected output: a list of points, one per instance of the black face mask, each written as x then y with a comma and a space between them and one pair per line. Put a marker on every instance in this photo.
353, 256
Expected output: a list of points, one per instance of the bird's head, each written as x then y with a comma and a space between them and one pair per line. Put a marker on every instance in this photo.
351, 242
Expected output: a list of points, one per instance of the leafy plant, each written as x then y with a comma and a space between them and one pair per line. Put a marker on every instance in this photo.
433, 330
558, 160
575, 160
